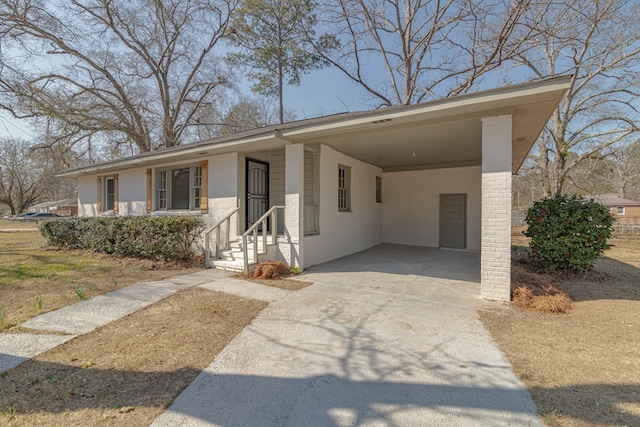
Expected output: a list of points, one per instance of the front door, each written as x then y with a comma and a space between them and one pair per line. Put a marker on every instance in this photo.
257, 190
453, 221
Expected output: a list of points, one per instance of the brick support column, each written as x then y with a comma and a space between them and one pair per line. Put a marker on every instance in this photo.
294, 203
495, 269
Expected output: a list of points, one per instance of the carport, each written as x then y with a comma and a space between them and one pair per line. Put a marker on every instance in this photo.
445, 171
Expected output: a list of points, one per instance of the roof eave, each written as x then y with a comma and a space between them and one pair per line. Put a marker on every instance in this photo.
504, 97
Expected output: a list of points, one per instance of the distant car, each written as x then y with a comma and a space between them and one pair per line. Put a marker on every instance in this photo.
26, 214
43, 215
38, 216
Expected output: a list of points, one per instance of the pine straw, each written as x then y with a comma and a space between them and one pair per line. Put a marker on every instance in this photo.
536, 291
271, 270
553, 301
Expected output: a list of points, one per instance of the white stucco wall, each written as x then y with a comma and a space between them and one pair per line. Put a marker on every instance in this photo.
343, 233
132, 192
411, 204
87, 196
223, 189
132, 188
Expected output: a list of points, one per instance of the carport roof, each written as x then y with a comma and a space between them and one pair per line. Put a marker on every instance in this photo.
437, 134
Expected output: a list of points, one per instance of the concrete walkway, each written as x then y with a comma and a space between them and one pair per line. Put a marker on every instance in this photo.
58, 326
389, 336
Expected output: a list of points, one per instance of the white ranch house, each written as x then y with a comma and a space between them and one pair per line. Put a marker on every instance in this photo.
436, 174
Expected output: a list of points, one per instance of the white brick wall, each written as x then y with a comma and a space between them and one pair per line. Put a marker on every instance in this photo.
411, 204
495, 270
294, 198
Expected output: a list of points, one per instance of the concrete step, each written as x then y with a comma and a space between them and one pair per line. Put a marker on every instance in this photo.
228, 265
233, 259
232, 255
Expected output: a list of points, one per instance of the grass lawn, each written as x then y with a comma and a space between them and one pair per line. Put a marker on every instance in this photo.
17, 225
34, 279
582, 368
125, 373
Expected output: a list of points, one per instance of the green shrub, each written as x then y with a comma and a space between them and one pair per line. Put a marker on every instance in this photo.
164, 238
568, 232
61, 233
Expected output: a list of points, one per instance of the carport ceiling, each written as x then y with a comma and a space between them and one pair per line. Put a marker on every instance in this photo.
438, 134
416, 146
433, 136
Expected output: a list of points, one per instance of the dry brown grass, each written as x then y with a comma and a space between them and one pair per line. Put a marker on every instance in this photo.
582, 368
125, 373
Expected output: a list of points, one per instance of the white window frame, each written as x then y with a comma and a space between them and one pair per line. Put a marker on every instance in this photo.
196, 187
162, 191
344, 188
105, 193
620, 210
163, 187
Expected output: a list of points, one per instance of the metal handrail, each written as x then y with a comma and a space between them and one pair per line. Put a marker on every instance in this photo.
207, 233
253, 230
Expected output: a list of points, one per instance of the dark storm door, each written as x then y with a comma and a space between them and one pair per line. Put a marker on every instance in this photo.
257, 190
453, 221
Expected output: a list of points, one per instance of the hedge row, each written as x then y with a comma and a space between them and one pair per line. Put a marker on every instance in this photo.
157, 238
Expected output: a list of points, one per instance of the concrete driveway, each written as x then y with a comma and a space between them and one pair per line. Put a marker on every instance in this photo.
385, 337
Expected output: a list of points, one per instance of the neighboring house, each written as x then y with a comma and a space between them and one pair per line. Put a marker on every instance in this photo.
66, 207
619, 207
435, 174
626, 212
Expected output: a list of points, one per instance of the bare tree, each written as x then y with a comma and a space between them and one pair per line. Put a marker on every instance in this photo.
251, 113
591, 176
407, 51
526, 187
23, 175
624, 163
598, 43
129, 72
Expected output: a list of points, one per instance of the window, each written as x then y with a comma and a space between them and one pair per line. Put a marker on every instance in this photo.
196, 186
180, 182
378, 189
162, 190
620, 210
344, 188
179, 188
109, 193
